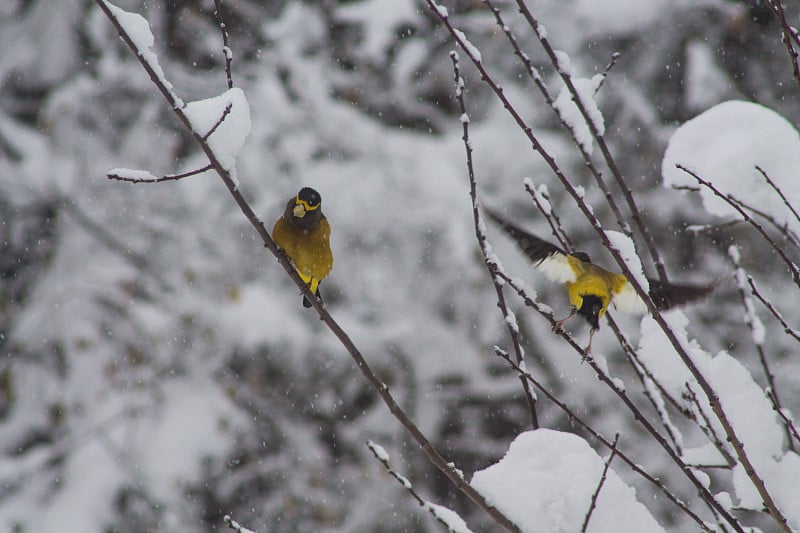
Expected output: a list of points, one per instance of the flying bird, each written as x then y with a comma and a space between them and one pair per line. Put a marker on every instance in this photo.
591, 288
303, 232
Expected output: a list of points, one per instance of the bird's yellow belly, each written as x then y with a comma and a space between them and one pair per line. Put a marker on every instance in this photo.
589, 285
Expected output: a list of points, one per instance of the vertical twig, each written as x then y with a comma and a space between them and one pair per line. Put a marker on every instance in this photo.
508, 316
226, 50
600, 484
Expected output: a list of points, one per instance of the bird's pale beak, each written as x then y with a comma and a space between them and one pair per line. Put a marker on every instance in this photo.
299, 211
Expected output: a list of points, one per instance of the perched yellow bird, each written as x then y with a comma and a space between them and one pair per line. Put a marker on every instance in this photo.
592, 288
304, 234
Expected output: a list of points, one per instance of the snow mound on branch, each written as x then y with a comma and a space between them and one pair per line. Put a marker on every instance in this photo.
228, 115
724, 145
569, 112
138, 30
545, 484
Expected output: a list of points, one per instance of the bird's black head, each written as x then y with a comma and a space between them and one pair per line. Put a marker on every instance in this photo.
309, 198
303, 211
590, 310
583, 256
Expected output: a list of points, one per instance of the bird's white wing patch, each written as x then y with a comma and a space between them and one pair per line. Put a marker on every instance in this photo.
556, 268
628, 301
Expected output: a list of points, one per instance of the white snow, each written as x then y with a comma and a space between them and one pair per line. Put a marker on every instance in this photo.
545, 483
454, 522
470, 48
724, 145
572, 116
229, 136
744, 402
138, 29
132, 174
706, 83
617, 17
380, 19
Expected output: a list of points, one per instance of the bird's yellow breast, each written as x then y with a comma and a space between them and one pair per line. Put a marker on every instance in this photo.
591, 280
309, 250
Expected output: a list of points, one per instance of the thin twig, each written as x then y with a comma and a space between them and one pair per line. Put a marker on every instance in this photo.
790, 38
786, 420
783, 228
551, 216
786, 327
727, 198
706, 426
168, 177
447, 468
380, 455
508, 315
614, 58
775, 187
226, 50
600, 484
219, 121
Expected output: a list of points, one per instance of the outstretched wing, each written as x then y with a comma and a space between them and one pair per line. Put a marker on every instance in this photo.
664, 295
667, 295
546, 257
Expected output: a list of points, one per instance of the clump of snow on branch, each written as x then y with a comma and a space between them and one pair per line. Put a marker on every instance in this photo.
627, 250
455, 524
724, 145
228, 136
545, 483
744, 402
569, 112
138, 29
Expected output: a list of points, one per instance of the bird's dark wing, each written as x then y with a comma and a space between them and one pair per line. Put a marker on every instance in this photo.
667, 295
546, 257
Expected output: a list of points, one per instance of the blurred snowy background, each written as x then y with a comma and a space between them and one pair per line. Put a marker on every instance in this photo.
156, 368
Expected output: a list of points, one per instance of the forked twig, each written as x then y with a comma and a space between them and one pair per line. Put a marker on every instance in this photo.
226, 50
